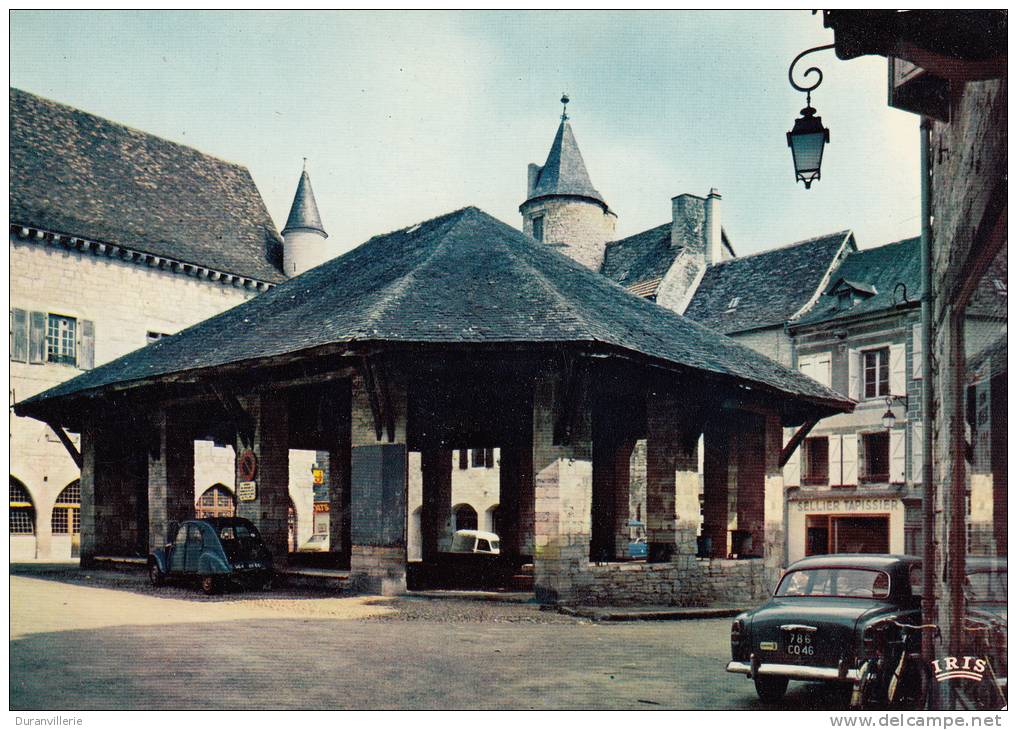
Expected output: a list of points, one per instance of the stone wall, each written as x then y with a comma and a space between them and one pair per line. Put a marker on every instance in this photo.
580, 227
686, 581
125, 301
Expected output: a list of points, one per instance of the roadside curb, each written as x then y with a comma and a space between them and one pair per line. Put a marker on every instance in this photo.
647, 614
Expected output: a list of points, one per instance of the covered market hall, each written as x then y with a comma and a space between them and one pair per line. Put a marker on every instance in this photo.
457, 333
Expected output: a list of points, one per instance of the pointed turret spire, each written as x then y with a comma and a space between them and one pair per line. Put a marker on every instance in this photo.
564, 172
304, 214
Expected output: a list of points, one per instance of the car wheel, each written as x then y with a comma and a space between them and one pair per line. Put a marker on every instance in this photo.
209, 585
155, 576
771, 689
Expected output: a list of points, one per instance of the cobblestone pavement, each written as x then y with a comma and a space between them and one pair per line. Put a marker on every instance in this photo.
100, 640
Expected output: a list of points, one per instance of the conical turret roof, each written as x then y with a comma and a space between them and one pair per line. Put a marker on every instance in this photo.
304, 211
564, 172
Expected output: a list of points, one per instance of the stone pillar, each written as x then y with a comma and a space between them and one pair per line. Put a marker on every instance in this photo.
378, 491
751, 461
436, 503
716, 443
662, 445
88, 547
270, 507
338, 456
686, 501
774, 557
113, 476
170, 477
563, 485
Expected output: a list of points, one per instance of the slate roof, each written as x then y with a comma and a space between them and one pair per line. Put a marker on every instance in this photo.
80, 175
640, 262
880, 269
304, 211
771, 287
564, 172
464, 278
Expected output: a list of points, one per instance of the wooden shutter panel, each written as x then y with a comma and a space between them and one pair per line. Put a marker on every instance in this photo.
19, 335
806, 366
917, 449
793, 467
86, 345
823, 372
897, 456
37, 337
916, 352
849, 457
854, 381
898, 381
834, 473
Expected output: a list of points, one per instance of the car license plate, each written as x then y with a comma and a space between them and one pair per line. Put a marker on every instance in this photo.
799, 643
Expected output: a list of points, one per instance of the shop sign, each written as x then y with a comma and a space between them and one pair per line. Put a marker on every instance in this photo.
247, 491
319, 476
321, 507
851, 504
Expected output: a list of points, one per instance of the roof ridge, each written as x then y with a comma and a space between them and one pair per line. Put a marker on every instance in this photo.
129, 128
392, 292
641, 233
844, 233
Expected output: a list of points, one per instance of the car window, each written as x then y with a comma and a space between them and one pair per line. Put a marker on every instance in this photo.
462, 543
227, 533
986, 586
181, 537
483, 545
917, 580
835, 582
194, 536
495, 545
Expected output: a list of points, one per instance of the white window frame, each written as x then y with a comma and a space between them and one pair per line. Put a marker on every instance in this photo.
64, 335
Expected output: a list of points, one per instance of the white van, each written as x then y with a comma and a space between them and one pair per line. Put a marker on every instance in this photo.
476, 541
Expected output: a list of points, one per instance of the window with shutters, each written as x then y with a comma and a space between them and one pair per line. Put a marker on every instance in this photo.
61, 339
817, 461
875, 459
876, 372
816, 367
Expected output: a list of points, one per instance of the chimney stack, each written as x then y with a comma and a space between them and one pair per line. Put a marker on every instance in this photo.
711, 228
686, 221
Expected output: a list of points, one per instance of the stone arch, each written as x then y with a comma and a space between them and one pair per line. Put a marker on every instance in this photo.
493, 518
464, 517
65, 519
22, 522
216, 501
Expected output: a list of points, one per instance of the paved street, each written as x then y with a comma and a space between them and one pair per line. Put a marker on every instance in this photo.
102, 640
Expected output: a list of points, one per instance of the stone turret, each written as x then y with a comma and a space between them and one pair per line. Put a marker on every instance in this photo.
562, 208
304, 239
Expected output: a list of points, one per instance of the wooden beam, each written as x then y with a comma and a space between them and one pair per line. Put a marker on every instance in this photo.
66, 441
796, 441
367, 373
241, 419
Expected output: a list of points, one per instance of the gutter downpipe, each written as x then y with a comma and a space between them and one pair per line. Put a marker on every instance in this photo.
929, 608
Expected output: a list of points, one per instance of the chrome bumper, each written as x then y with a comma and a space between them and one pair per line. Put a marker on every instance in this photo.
795, 671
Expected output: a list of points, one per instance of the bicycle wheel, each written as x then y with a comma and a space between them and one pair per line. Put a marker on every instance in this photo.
915, 689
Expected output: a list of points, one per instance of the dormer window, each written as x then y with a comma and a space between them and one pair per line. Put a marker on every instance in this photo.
733, 304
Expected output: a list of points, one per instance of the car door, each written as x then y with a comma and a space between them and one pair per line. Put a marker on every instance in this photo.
193, 549
178, 551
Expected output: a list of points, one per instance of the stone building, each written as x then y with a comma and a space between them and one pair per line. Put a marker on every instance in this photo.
951, 68
503, 344
117, 240
855, 485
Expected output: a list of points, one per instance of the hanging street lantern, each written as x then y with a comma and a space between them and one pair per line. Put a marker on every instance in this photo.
808, 137
806, 140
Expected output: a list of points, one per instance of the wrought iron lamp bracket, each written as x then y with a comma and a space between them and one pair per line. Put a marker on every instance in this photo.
807, 88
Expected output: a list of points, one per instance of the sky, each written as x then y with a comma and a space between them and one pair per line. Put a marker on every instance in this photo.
404, 116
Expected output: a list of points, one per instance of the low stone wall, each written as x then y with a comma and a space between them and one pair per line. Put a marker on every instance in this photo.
686, 581
737, 581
